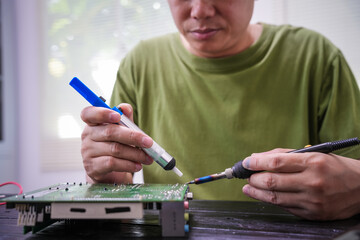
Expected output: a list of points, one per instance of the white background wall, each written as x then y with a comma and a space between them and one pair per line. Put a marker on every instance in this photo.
21, 151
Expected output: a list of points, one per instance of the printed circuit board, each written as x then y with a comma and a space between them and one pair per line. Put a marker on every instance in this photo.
42, 207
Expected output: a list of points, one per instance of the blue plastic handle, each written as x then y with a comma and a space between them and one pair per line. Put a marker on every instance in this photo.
89, 95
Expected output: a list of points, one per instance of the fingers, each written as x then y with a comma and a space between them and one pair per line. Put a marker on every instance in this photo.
300, 205
305, 184
117, 133
284, 173
277, 162
283, 199
117, 151
289, 182
109, 169
99, 115
105, 164
283, 181
109, 149
101, 159
127, 110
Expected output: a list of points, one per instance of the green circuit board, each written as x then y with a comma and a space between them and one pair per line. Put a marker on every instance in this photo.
72, 192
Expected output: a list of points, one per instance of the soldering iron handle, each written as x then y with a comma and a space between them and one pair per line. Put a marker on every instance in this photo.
240, 172
329, 147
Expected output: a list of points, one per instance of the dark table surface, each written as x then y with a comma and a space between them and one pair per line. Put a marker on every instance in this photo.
208, 220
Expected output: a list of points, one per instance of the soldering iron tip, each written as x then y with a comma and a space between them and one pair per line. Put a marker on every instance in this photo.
191, 182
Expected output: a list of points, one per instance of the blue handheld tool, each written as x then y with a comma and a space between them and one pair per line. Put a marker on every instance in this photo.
165, 160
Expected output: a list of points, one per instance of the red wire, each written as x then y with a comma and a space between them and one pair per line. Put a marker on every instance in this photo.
14, 183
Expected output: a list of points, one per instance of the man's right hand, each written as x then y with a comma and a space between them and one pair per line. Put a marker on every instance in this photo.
110, 151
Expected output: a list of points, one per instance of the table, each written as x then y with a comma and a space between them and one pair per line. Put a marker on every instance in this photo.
208, 220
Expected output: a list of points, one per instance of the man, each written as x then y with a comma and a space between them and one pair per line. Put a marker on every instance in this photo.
222, 89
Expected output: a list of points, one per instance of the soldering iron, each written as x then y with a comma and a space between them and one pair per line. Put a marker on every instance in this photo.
238, 171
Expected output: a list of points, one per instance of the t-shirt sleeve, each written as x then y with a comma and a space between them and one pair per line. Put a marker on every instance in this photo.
339, 109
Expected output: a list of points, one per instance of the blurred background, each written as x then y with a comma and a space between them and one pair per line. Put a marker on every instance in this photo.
44, 43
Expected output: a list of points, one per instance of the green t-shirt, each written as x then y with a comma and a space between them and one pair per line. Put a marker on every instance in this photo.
291, 88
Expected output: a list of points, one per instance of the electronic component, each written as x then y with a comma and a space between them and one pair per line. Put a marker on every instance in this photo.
71, 201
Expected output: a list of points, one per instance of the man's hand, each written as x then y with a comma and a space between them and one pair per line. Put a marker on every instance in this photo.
110, 151
314, 186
